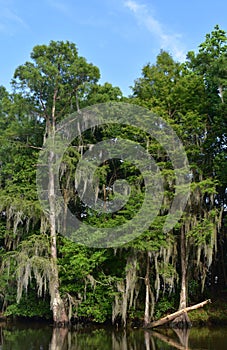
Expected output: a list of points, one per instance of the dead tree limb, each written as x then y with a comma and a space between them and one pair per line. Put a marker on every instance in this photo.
176, 314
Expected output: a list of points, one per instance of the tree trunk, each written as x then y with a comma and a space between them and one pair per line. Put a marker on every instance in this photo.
183, 293
147, 319
176, 314
60, 317
183, 320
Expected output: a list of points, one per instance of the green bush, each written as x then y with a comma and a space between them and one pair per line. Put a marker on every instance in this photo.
30, 306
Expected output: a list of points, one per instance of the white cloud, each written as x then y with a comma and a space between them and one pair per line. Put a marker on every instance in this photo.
9, 21
135, 7
60, 6
13, 17
167, 41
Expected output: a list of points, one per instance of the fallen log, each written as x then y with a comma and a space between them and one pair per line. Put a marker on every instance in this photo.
176, 314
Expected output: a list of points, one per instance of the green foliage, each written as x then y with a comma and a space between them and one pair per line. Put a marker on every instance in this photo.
164, 306
98, 304
191, 97
88, 275
194, 291
30, 306
102, 93
56, 68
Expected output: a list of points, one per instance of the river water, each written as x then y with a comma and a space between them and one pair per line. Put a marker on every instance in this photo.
44, 337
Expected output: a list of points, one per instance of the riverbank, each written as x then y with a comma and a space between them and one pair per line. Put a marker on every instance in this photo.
212, 314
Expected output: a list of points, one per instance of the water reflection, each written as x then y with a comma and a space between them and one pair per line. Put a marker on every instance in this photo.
36, 337
180, 343
18, 337
59, 340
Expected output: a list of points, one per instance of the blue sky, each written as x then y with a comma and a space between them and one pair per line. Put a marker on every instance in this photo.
119, 36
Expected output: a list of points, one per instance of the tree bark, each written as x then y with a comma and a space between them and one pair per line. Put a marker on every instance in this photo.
60, 317
171, 317
183, 293
147, 319
183, 320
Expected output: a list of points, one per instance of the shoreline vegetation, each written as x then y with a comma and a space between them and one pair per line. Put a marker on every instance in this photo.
211, 315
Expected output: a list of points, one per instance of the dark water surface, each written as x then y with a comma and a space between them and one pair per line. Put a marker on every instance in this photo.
44, 337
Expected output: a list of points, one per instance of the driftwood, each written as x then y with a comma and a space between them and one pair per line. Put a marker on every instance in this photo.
176, 314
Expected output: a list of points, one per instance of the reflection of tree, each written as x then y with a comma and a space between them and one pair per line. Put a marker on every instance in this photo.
147, 342
119, 342
59, 339
132, 340
109, 339
101, 339
1, 337
23, 337
62, 339
183, 336
181, 344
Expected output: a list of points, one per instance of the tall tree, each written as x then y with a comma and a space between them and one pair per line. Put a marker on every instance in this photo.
54, 82
210, 63
178, 94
